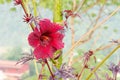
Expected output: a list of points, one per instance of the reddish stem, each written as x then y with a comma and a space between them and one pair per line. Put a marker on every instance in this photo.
32, 26
49, 69
82, 70
24, 8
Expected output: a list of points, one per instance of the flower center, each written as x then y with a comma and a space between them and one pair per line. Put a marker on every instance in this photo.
45, 40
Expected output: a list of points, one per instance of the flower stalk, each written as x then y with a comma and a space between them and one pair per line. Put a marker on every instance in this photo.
32, 26
49, 68
26, 13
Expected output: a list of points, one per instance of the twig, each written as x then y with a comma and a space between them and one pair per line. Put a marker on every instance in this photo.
92, 30
96, 21
91, 6
79, 76
26, 13
96, 50
73, 33
80, 5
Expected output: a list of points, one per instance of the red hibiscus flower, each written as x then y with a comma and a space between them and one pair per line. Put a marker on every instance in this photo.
47, 39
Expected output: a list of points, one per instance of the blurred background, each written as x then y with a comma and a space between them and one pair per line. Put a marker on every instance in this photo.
14, 33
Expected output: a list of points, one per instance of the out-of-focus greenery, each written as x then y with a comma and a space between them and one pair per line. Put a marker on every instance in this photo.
31, 78
13, 54
67, 4
5, 1
31, 75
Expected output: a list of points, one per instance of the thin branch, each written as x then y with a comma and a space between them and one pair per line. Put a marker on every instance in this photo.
96, 50
26, 13
80, 5
96, 21
72, 32
105, 47
91, 6
92, 30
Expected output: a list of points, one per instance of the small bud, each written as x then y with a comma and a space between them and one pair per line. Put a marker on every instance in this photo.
17, 2
27, 18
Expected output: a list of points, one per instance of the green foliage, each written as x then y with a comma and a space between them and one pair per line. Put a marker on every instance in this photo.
32, 69
105, 27
31, 78
13, 9
8, 1
47, 3
66, 4
5, 1
93, 15
13, 54
1, 1
115, 30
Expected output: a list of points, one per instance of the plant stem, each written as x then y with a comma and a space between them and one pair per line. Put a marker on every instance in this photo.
103, 61
72, 32
57, 17
36, 68
49, 68
34, 7
32, 26
57, 11
26, 13
79, 76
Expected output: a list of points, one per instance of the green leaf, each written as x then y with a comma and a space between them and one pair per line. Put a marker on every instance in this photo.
13, 9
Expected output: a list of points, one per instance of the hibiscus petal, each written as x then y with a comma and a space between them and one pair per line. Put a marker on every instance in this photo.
33, 39
45, 25
44, 52
55, 27
57, 40
37, 32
